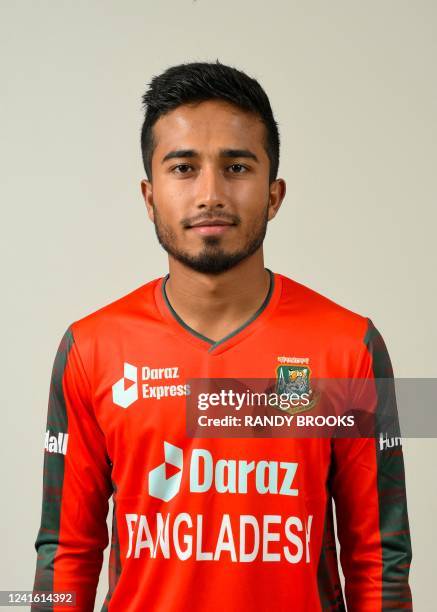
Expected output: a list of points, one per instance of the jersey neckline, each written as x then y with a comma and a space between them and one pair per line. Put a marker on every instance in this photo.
202, 342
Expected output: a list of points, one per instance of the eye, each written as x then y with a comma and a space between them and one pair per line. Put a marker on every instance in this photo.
238, 168
181, 169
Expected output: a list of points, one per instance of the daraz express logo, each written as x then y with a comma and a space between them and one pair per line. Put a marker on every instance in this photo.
125, 397
223, 475
136, 382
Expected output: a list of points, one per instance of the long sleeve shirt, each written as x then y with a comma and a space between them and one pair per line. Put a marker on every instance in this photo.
220, 519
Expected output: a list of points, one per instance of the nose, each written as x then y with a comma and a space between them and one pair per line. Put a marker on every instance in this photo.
209, 188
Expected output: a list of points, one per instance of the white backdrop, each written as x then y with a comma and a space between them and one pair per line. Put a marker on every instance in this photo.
353, 87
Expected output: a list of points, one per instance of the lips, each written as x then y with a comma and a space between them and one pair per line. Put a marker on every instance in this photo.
211, 223
211, 227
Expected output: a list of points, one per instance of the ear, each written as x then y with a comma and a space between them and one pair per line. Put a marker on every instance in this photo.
146, 190
277, 191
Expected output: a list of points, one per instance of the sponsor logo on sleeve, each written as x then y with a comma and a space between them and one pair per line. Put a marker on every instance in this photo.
56, 443
386, 442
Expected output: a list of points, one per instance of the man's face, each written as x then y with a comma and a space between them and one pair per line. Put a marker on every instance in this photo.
210, 167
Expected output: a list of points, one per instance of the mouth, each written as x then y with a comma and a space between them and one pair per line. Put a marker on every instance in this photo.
211, 227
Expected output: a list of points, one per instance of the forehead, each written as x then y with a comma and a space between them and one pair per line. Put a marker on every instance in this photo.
213, 123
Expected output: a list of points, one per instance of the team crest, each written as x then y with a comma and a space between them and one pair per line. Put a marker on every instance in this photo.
292, 378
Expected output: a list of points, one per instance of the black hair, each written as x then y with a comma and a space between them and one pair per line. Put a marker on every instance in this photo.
201, 81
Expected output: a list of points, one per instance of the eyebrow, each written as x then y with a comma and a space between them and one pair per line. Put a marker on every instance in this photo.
223, 153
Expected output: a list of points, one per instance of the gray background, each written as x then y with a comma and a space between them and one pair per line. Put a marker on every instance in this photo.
353, 87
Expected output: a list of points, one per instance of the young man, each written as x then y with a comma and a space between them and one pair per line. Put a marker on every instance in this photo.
214, 523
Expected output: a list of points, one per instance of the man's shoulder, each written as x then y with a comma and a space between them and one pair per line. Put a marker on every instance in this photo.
139, 302
320, 311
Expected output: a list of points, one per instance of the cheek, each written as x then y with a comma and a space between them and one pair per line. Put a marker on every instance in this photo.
251, 197
172, 194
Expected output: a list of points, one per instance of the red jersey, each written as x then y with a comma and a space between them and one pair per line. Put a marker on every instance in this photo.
215, 523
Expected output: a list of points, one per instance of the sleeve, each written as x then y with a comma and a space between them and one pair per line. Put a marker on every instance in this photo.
368, 487
76, 486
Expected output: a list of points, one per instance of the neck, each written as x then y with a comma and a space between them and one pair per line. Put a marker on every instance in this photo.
215, 305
